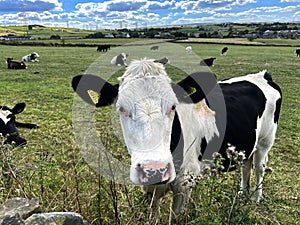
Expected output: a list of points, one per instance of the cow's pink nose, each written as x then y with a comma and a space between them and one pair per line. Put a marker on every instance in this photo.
154, 173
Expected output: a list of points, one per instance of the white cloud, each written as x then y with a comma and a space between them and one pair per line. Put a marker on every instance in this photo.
30, 5
289, 0
277, 9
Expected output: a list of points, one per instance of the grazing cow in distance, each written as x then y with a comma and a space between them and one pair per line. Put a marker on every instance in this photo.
154, 48
163, 61
188, 50
119, 60
8, 124
297, 52
103, 48
170, 128
32, 57
224, 51
207, 62
15, 65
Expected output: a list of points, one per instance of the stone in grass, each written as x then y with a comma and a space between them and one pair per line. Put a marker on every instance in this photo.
18, 208
56, 218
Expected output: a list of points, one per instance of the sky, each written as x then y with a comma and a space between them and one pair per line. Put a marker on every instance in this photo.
112, 14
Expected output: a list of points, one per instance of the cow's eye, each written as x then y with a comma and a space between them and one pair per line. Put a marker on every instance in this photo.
172, 109
124, 112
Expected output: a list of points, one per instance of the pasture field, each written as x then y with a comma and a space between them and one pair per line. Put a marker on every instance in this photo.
51, 167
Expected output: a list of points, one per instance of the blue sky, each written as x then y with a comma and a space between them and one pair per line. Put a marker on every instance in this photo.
96, 14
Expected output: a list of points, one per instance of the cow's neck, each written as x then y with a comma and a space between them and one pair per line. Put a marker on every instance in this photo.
193, 124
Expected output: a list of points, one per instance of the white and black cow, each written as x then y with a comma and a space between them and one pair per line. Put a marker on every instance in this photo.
170, 128
297, 52
8, 124
119, 60
207, 62
32, 57
224, 51
14, 65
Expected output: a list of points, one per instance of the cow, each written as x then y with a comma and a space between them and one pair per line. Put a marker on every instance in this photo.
154, 48
119, 60
297, 52
8, 124
169, 129
15, 65
32, 57
224, 51
188, 50
103, 48
163, 61
207, 62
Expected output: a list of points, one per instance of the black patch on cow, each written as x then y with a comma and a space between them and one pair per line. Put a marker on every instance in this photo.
194, 87
277, 110
202, 148
268, 77
177, 143
120, 60
244, 103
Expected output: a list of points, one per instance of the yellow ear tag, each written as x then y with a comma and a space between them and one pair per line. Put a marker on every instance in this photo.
94, 96
192, 90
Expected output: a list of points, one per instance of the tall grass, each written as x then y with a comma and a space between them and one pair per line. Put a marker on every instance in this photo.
52, 168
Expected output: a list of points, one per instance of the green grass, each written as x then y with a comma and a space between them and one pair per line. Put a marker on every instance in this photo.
52, 168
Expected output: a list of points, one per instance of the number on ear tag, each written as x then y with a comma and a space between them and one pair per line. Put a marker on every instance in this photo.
192, 90
94, 96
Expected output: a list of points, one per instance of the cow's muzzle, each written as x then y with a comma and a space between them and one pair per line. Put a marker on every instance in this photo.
15, 138
154, 173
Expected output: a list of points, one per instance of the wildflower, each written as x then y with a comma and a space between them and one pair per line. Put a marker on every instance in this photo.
216, 156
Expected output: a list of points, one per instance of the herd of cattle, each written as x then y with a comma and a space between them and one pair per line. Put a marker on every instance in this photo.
20, 65
169, 128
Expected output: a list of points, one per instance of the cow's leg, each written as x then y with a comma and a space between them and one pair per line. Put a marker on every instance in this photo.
181, 196
154, 194
246, 172
260, 163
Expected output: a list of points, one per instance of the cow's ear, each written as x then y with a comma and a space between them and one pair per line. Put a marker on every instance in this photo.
94, 90
195, 87
18, 108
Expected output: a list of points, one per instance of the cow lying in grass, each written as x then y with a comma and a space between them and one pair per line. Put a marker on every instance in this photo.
15, 65
169, 128
119, 60
8, 124
32, 57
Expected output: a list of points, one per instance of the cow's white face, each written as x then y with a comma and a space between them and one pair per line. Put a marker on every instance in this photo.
146, 104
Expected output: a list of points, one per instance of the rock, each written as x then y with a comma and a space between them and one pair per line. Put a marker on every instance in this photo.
12, 220
18, 208
20, 211
56, 218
